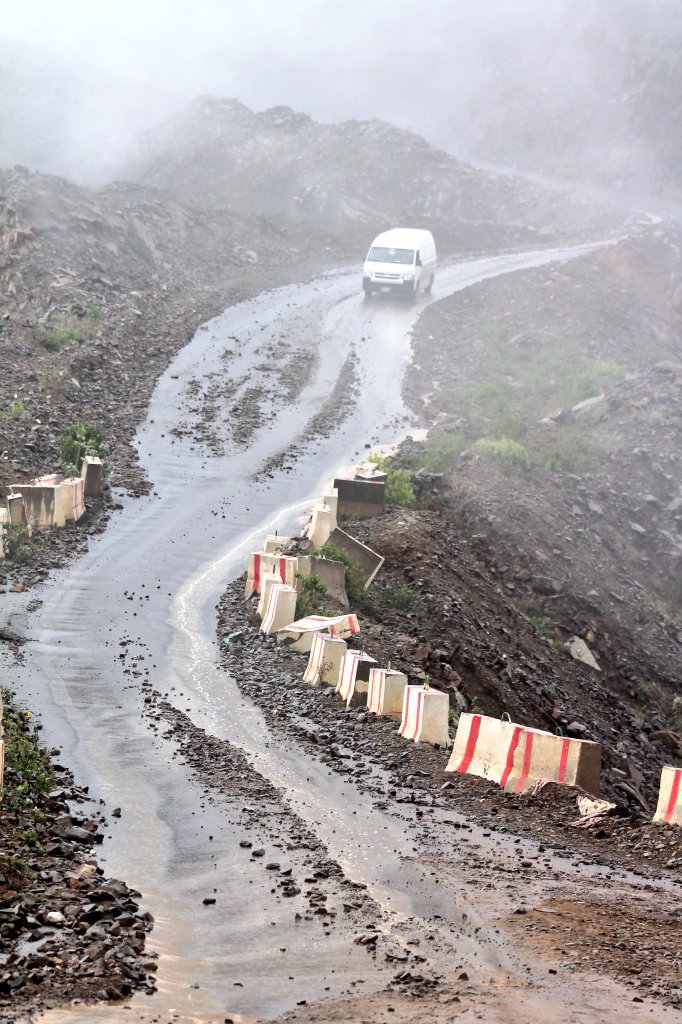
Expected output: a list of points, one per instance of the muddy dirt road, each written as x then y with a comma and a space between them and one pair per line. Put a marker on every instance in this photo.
137, 615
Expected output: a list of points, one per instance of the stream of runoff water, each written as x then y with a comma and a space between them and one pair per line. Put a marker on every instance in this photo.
152, 581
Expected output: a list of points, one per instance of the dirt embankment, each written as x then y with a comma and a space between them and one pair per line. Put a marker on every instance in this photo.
574, 510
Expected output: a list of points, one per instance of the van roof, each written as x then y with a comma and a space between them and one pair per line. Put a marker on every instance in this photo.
403, 238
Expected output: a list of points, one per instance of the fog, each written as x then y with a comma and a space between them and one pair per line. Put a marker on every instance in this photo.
531, 82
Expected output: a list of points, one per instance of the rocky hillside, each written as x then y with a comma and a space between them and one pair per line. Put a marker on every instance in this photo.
100, 288
555, 405
342, 183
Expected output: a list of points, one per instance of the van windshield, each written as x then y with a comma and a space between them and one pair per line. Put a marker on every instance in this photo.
378, 254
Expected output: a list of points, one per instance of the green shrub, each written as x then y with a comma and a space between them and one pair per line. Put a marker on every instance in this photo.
312, 591
404, 599
69, 330
591, 380
503, 452
26, 763
399, 489
81, 440
18, 544
440, 454
574, 452
17, 410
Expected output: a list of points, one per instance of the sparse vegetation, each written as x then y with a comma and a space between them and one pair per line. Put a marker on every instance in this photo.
27, 767
509, 455
17, 410
440, 453
546, 629
310, 595
404, 599
69, 330
398, 484
81, 440
574, 452
18, 545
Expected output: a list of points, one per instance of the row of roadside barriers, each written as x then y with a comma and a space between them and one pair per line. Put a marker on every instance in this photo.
516, 757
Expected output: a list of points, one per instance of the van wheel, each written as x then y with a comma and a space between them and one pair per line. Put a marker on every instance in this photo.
430, 285
368, 292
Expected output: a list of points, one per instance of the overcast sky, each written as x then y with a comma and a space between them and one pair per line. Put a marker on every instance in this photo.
80, 78
334, 59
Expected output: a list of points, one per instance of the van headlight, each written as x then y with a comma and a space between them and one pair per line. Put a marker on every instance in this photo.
408, 277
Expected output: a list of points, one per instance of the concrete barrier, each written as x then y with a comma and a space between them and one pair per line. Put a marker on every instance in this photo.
331, 500
354, 677
386, 692
299, 635
360, 499
543, 757
324, 663
268, 580
669, 807
274, 544
425, 716
321, 525
4, 527
261, 562
517, 757
281, 608
36, 506
484, 746
51, 500
332, 574
368, 561
92, 476
72, 494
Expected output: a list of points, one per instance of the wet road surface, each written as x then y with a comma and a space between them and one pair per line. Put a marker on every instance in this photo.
149, 586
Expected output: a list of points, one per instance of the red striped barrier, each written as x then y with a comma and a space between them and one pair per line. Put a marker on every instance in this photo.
281, 608
261, 562
425, 716
543, 757
517, 757
385, 692
324, 663
669, 807
484, 746
267, 581
354, 672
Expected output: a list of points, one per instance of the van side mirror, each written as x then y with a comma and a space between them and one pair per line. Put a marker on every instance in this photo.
418, 261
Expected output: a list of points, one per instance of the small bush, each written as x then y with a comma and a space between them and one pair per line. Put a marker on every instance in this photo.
398, 484
440, 454
591, 380
69, 330
27, 766
574, 452
17, 543
312, 591
503, 452
17, 410
81, 440
404, 599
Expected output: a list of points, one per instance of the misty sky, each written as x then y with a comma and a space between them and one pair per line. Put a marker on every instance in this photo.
79, 79
355, 58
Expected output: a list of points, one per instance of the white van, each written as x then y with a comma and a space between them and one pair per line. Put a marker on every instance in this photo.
402, 260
